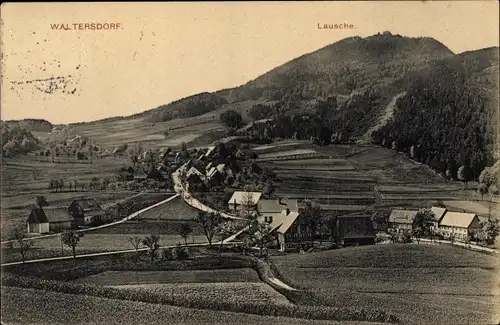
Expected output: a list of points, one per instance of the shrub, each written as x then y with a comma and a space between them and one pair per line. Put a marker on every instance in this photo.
180, 252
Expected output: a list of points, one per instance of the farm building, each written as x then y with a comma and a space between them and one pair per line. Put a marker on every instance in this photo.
49, 219
194, 176
270, 209
85, 211
401, 220
438, 215
354, 231
240, 199
216, 174
459, 225
37, 222
283, 225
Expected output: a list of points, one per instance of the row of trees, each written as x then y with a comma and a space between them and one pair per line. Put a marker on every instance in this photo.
95, 184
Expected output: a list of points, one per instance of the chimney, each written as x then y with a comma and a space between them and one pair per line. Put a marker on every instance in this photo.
287, 211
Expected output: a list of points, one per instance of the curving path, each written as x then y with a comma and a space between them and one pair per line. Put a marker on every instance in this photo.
127, 218
192, 201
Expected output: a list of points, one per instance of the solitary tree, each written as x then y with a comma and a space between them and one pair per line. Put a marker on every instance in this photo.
152, 243
225, 229
23, 244
185, 230
71, 239
41, 201
312, 215
209, 222
465, 174
260, 236
482, 189
136, 242
423, 223
380, 221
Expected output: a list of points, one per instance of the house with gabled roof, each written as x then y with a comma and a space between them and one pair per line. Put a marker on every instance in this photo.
459, 225
85, 211
240, 199
269, 209
49, 219
402, 220
193, 175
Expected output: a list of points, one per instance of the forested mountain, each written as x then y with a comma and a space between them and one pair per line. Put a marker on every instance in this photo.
449, 116
342, 67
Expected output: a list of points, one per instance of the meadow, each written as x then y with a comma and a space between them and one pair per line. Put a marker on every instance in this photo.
421, 284
23, 306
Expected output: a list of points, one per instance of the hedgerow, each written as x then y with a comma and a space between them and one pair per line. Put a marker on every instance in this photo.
259, 308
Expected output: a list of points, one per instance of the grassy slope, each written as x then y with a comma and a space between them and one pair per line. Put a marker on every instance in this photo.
191, 276
350, 177
420, 283
22, 306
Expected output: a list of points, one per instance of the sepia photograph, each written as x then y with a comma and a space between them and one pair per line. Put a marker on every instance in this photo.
275, 163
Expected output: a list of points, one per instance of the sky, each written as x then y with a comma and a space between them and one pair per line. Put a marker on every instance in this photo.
162, 52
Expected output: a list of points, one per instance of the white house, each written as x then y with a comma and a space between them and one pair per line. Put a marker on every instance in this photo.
459, 225
240, 199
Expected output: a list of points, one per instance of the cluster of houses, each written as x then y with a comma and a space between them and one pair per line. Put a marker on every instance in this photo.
459, 225
80, 212
283, 217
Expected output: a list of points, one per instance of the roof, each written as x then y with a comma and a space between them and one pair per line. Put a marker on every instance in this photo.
274, 206
356, 227
87, 204
208, 166
281, 222
457, 219
212, 172
57, 214
288, 222
49, 214
402, 216
240, 197
209, 151
37, 216
220, 167
195, 171
438, 212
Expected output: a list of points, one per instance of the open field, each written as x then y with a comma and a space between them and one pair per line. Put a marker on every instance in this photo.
116, 278
421, 284
110, 242
349, 177
23, 306
239, 292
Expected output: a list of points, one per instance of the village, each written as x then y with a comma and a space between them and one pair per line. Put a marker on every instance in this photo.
226, 182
